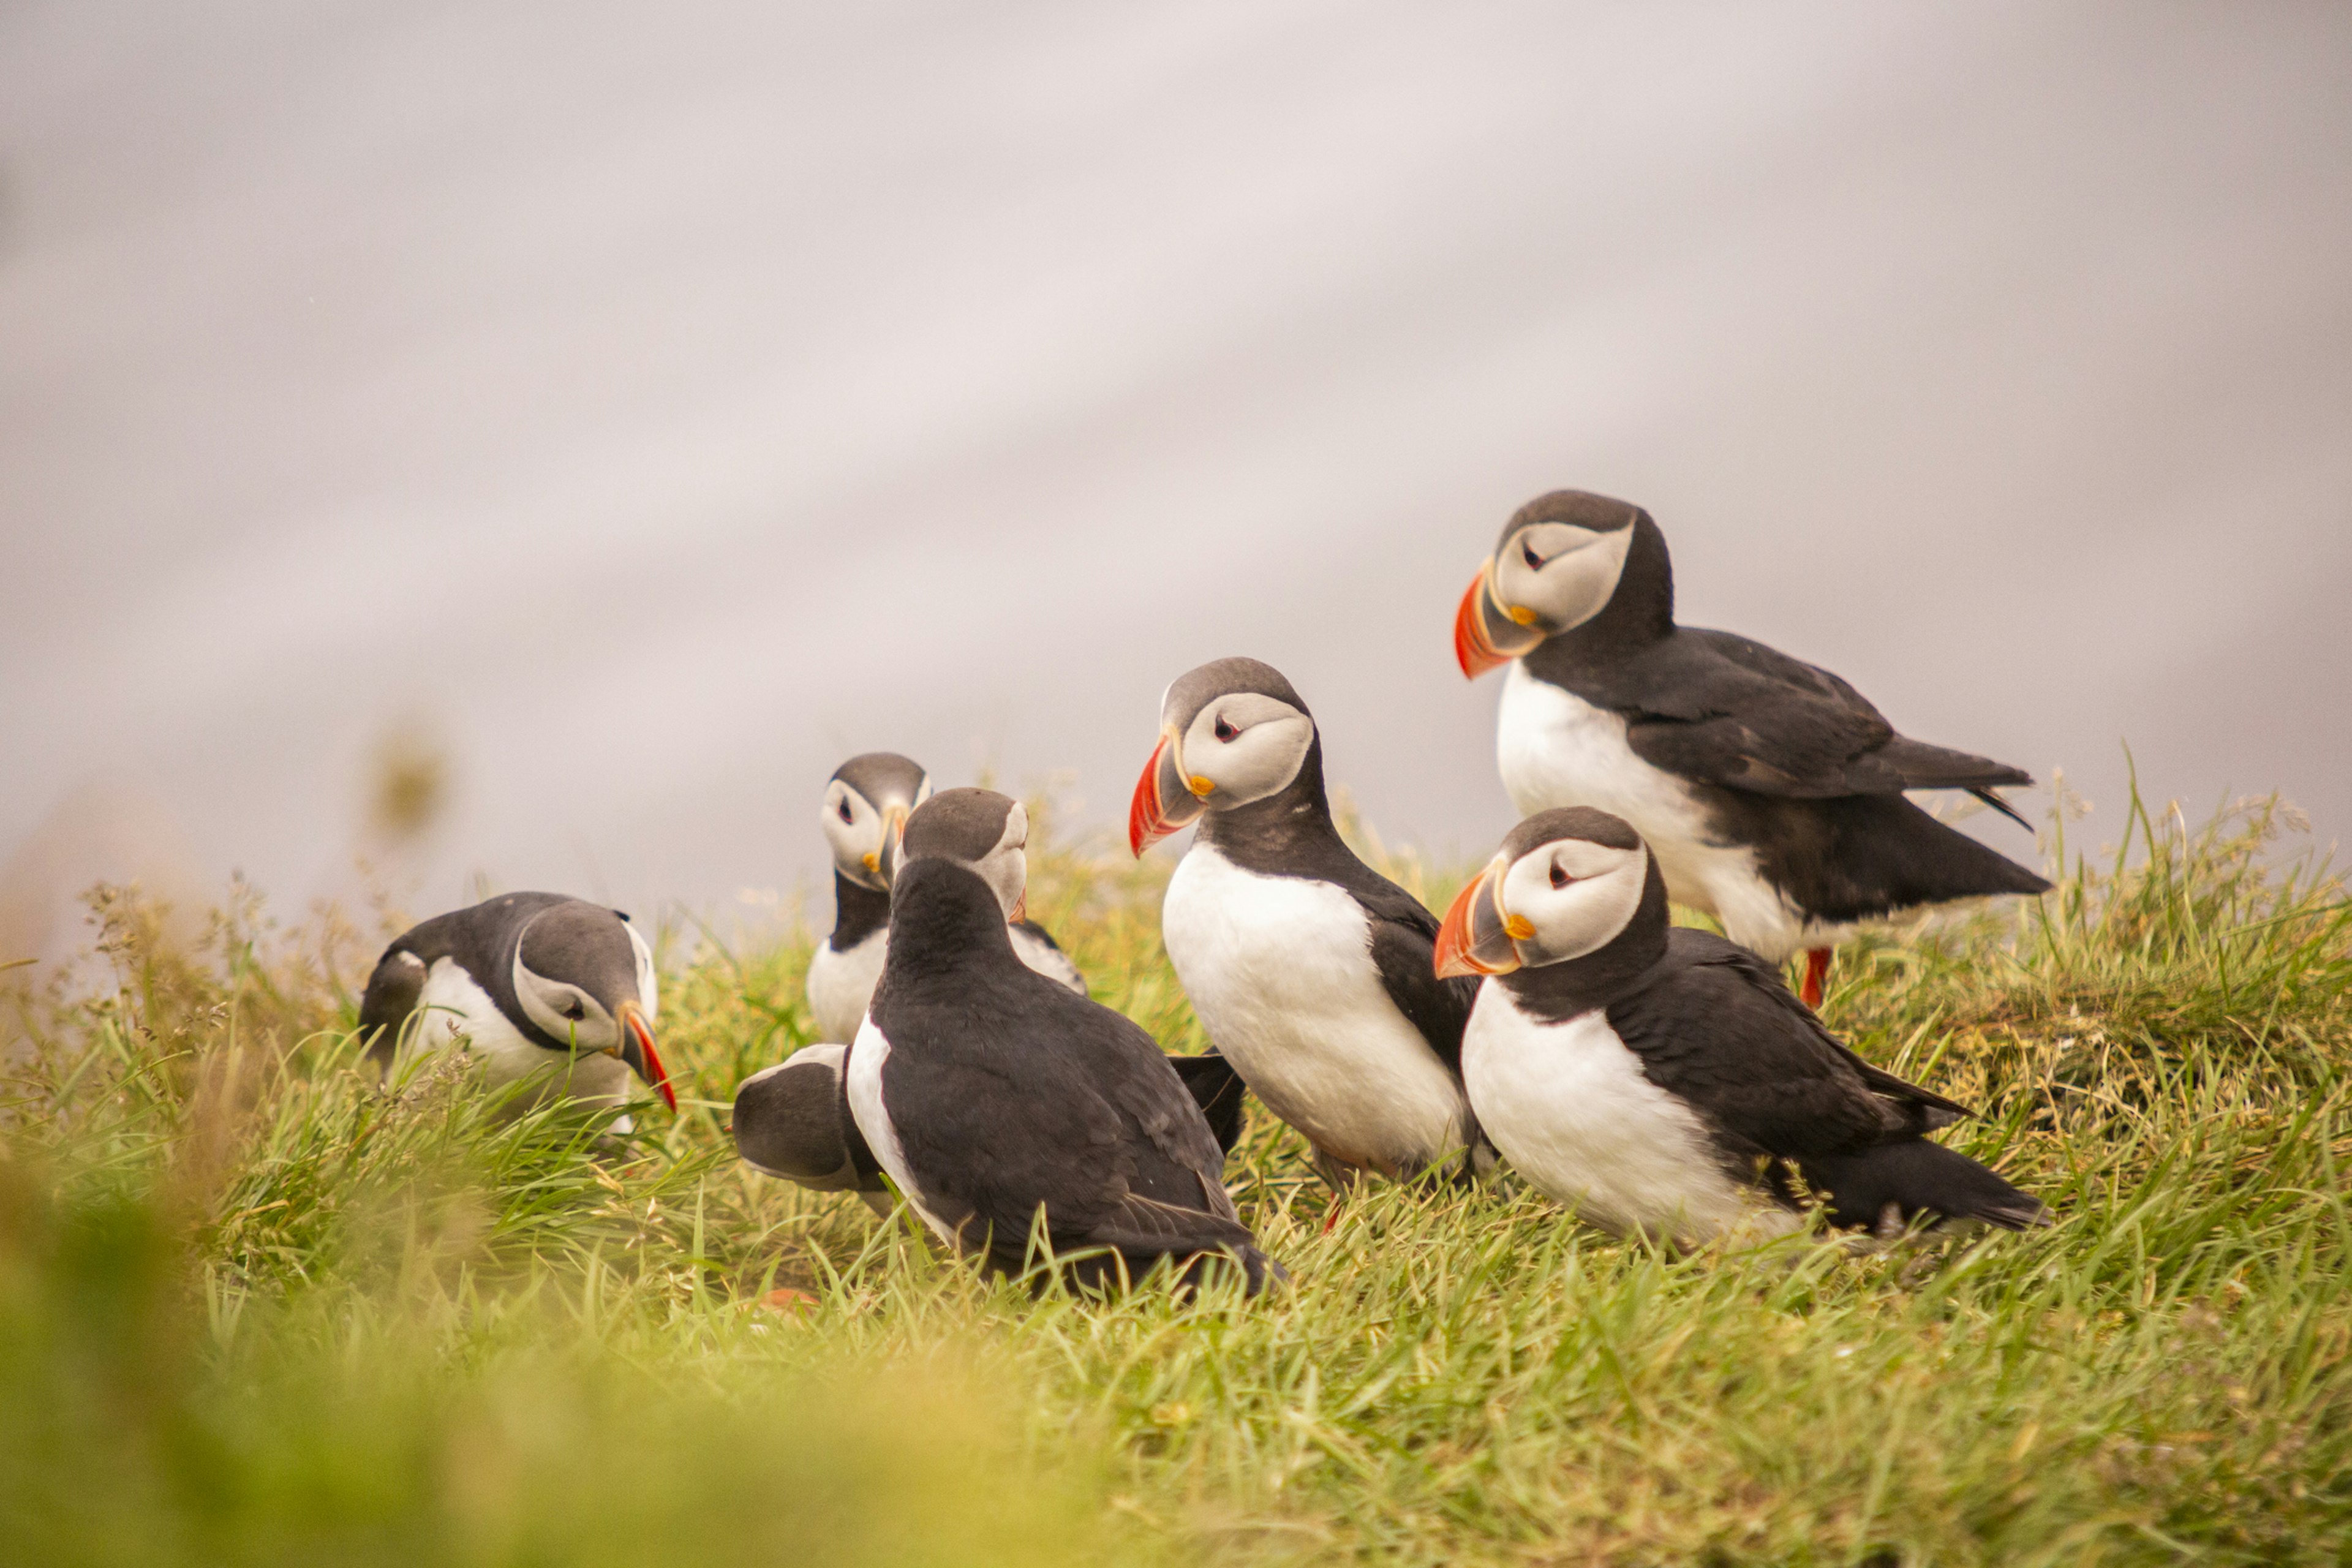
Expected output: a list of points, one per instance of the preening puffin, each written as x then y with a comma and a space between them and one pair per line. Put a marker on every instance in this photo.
1770, 790
1662, 1080
531, 983
999, 1101
1310, 971
865, 806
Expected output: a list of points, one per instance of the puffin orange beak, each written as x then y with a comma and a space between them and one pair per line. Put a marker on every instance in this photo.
637, 1049
1165, 801
884, 864
1477, 937
1487, 636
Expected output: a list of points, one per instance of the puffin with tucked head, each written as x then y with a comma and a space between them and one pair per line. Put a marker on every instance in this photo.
1309, 969
1665, 1081
865, 805
791, 1120
1000, 1102
1770, 791
530, 985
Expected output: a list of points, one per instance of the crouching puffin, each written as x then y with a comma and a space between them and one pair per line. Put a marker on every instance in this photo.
1770, 791
1659, 1079
865, 806
793, 1120
530, 984
1310, 971
1000, 1102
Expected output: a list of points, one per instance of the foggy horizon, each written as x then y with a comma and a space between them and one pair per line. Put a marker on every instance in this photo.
651, 419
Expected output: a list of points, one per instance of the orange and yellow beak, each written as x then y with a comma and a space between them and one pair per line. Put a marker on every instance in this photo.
884, 863
1488, 633
1479, 936
636, 1048
1166, 800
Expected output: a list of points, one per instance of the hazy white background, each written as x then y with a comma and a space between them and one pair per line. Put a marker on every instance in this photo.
659, 403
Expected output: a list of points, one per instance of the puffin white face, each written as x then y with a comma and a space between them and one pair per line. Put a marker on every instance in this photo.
1570, 898
565, 1010
1005, 869
584, 977
1551, 576
1241, 748
1225, 742
1563, 899
859, 831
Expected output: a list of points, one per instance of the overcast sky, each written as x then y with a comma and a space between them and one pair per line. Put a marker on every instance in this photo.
659, 404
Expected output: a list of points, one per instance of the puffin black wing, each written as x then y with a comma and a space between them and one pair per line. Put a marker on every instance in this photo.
1725, 709
1768, 1083
1009, 1095
1217, 1090
1714, 1026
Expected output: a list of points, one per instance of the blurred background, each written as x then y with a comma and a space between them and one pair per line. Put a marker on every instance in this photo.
535, 444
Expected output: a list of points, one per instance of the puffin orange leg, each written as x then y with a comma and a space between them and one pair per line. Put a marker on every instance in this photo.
1817, 973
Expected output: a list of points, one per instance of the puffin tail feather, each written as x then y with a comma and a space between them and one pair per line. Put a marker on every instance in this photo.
1917, 1177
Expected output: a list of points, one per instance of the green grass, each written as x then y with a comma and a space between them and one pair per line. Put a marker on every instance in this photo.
252, 1310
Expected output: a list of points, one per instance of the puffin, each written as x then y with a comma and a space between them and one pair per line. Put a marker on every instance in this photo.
1770, 791
1312, 973
531, 983
865, 806
1003, 1104
791, 1120
1663, 1081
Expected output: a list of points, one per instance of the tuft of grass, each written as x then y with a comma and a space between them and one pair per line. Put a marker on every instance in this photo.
283, 1313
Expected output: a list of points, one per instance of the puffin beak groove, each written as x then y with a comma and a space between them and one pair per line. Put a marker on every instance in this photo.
1488, 633
636, 1048
1167, 799
1477, 936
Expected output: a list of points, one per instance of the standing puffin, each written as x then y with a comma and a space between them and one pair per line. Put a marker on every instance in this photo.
993, 1097
529, 981
1770, 791
865, 806
1309, 969
1658, 1079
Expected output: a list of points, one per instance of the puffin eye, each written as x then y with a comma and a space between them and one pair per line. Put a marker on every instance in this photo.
843, 808
573, 1010
1527, 553
1560, 877
1226, 732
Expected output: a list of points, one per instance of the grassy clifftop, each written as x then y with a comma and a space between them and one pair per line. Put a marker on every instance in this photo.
254, 1309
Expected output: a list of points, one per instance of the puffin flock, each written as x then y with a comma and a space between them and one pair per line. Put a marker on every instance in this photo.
1652, 1079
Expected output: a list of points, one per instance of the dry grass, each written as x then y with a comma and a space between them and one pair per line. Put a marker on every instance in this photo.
254, 1309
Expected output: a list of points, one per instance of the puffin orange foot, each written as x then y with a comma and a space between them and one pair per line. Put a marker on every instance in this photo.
1817, 973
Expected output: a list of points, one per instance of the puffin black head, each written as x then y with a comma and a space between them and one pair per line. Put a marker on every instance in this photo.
1563, 558
1232, 732
982, 831
1566, 884
867, 803
585, 978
